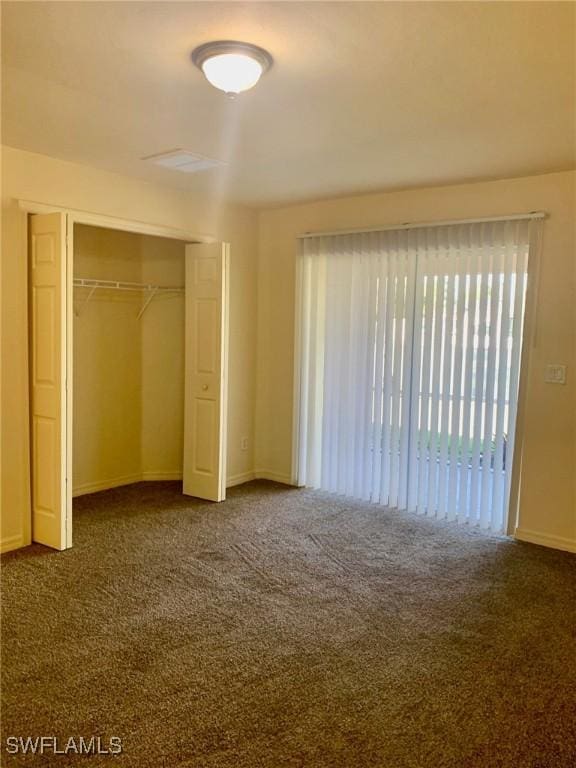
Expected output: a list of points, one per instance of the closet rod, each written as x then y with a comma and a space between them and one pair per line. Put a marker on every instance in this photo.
119, 285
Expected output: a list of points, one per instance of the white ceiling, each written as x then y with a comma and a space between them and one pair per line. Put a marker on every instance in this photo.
362, 96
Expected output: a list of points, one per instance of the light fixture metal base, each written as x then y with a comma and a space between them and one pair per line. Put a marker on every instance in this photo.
218, 47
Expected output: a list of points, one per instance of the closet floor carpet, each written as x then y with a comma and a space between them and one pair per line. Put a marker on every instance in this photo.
288, 627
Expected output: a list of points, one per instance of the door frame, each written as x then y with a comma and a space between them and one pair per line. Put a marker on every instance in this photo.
93, 219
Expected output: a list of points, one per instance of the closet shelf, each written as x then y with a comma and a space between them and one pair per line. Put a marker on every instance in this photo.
119, 285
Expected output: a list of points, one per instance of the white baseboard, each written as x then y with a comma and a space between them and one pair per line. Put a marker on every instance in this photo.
545, 540
9, 543
277, 477
242, 477
258, 474
116, 482
104, 485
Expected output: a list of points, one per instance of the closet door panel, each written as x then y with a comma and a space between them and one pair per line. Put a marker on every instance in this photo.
48, 379
205, 400
205, 446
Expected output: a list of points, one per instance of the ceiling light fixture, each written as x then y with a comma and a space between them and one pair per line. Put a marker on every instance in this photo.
231, 66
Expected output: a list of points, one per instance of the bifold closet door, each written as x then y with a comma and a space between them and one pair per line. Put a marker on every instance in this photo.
206, 371
50, 379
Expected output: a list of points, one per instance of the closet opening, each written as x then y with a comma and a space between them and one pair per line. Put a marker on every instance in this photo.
128, 364
128, 358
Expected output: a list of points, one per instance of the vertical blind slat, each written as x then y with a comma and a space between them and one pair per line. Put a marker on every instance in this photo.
491, 368
387, 385
520, 277
342, 446
479, 377
447, 366
501, 386
460, 265
378, 384
471, 291
367, 467
423, 392
363, 370
439, 320
409, 260
414, 425
399, 351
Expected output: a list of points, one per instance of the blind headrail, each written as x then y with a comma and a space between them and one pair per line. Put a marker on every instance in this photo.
425, 224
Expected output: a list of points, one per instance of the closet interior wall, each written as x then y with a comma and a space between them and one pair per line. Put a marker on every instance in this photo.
128, 370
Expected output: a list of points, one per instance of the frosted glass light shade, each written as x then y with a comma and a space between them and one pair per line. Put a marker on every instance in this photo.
232, 72
232, 66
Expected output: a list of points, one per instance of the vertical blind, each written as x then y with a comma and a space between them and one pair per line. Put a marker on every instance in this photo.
410, 344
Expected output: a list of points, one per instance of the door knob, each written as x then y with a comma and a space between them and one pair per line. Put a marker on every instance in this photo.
204, 387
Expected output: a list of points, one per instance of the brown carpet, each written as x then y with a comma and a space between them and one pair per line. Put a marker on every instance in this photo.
288, 628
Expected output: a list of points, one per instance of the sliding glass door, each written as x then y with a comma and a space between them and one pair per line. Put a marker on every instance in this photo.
410, 345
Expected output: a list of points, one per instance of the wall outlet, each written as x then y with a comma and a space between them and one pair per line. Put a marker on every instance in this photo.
244, 444
555, 374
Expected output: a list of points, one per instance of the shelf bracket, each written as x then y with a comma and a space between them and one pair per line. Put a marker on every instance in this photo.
86, 300
153, 293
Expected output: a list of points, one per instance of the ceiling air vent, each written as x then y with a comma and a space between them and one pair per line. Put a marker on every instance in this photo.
183, 161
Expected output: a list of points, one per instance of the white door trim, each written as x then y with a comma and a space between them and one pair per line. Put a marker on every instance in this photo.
112, 222
297, 383
69, 385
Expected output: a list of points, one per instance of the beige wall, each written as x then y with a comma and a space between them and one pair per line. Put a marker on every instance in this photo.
264, 268
162, 328
107, 368
48, 180
548, 498
128, 371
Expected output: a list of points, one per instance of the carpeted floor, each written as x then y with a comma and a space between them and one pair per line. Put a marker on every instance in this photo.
288, 628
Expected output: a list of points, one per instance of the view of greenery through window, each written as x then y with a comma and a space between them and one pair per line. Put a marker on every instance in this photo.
485, 411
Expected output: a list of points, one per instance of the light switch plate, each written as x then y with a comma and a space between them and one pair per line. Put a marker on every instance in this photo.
555, 374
